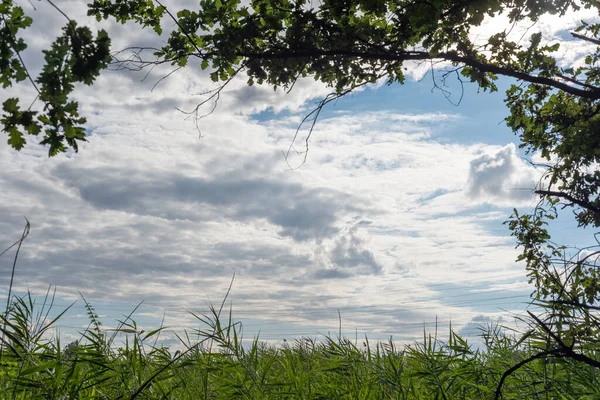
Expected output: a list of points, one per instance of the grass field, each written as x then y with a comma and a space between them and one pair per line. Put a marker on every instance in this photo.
213, 364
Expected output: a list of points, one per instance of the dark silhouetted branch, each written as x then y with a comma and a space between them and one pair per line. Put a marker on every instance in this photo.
566, 196
587, 39
452, 56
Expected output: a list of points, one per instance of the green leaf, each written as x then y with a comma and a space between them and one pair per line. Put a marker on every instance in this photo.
16, 139
10, 105
69, 131
38, 368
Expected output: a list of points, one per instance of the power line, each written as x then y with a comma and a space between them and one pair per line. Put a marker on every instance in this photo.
296, 310
348, 332
353, 309
379, 312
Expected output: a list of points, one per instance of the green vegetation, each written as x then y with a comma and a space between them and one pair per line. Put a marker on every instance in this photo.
215, 363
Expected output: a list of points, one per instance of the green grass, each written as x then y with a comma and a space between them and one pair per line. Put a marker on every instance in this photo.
213, 364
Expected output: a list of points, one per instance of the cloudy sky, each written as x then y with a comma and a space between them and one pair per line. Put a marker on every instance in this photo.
394, 220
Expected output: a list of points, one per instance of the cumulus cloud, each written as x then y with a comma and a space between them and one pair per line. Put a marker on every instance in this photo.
484, 324
349, 255
299, 212
501, 177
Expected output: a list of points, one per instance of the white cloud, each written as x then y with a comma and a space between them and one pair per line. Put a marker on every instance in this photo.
502, 177
514, 286
147, 207
148, 211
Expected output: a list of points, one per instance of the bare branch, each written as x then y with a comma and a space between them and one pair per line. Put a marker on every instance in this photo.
59, 10
164, 77
313, 116
215, 96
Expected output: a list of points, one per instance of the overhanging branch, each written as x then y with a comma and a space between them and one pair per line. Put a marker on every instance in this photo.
588, 93
566, 196
587, 39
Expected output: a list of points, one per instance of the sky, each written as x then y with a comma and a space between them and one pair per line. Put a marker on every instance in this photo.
392, 225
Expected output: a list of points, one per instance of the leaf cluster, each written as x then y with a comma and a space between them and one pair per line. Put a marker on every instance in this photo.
74, 57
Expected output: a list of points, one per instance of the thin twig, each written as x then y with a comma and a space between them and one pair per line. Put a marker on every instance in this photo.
59, 10
192, 42
18, 53
576, 82
215, 95
313, 116
164, 77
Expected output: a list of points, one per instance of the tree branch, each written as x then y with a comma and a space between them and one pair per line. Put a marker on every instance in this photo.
564, 350
587, 39
575, 304
593, 94
515, 367
566, 196
576, 82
